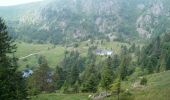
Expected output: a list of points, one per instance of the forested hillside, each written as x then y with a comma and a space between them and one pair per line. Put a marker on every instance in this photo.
79, 20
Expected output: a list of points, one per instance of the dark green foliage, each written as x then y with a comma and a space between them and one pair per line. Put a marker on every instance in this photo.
132, 48
155, 56
106, 79
76, 45
107, 75
143, 81
90, 79
116, 62
41, 60
65, 87
124, 68
76, 87
116, 88
59, 77
74, 74
12, 85
124, 51
72, 64
41, 80
90, 85
91, 58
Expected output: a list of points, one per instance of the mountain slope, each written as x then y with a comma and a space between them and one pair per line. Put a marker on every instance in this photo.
157, 89
81, 19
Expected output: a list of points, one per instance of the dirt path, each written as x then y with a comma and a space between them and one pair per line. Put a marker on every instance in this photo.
29, 55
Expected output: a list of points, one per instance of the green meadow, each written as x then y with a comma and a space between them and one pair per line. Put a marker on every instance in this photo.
28, 54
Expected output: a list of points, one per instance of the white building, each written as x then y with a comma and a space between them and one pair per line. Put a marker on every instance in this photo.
104, 52
27, 73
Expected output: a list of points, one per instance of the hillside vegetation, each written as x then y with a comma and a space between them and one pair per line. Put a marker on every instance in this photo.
157, 88
80, 20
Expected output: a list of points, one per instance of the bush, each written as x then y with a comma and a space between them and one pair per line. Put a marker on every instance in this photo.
143, 81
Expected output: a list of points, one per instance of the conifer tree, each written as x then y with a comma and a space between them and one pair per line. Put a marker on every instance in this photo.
59, 77
123, 69
12, 85
106, 78
90, 80
116, 88
41, 78
107, 75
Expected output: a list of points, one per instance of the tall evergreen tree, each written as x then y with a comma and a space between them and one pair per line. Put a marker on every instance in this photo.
107, 75
116, 61
12, 85
90, 84
59, 77
74, 74
116, 88
123, 68
41, 79
90, 80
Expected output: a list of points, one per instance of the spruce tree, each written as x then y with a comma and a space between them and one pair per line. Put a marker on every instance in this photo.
74, 74
116, 88
107, 75
42, 79
123, 69
59, 77
12, 85
90, 80
106, 78
90, 84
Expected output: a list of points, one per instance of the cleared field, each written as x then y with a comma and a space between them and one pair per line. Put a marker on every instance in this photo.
28, 54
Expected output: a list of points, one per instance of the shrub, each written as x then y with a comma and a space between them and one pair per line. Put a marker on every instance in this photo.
143, 81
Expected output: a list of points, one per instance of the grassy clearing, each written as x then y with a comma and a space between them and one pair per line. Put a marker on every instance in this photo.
55, 54
158, 88
57, 96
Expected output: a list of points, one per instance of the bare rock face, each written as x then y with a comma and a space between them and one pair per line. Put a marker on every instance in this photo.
148, 22
157, 9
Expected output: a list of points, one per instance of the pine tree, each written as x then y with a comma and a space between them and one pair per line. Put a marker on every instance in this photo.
107, 75
41, 79
90, 80
91, 84
123, 68
106, 78
12, 85
116, 61
168, 63
116, 88
74, 74
59, 77
65, 87
162, 63
76, 87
